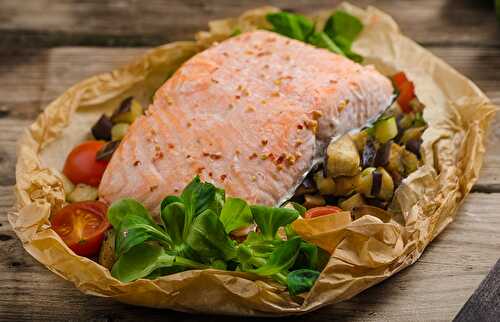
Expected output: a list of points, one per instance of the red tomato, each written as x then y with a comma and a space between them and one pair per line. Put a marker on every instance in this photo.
399, 79
321, 211
81, 226
406, 91
406, 94
81, 165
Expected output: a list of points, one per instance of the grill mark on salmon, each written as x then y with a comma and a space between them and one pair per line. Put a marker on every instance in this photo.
236, 95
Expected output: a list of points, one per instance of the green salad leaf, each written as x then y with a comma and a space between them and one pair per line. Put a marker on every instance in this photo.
291, 25
235, 214
270, 219
194, 233
301, 280
340, 31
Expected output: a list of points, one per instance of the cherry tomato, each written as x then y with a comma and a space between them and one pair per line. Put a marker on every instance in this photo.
321, 211
406, 91
81, 165
81, 225
399, 79
406, 94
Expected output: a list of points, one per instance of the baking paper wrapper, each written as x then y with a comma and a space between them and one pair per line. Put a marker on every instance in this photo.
363, 252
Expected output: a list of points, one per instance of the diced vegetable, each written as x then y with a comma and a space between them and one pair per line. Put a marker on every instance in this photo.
81, 226
354, 201
385, 129
344, 186
410, 162
395, 164
383, 154
311, 201
326, 186
413, 133
369, 154
119, 130
128, 111
307, 187
413, 145
102, 128
360, 139
106, 152
416, 105
406, 120
406, 91
83, 192
365, 182
82, 166
342, 157
387, 186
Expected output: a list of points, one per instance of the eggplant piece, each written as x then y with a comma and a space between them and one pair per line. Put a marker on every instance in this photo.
128, 111
376, 183
105, 153
385, 129
413, 145
83, 192
369, 153
406, 121
409, 161
413, 133
311, 201
101, 130
395, 165
360, 139
383, 154
354, 201
343, 157
326, 186
306, 187
119, 130
416, 105
345, 186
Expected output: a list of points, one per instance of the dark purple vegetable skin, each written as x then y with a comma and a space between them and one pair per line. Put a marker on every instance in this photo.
376, 183
123, 108
413, 146
382, 155
106, 152
369, 153
102, 128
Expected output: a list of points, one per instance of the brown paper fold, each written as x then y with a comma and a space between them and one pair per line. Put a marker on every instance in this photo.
364, 251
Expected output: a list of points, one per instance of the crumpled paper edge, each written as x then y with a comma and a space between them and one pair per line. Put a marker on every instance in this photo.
369, 249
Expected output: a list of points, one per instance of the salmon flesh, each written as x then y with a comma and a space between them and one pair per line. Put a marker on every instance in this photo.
250, 115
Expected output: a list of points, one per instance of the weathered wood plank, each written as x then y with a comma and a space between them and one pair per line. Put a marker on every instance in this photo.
134, 23
484, 304
433, 289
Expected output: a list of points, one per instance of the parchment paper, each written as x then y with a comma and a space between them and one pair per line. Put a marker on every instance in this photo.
364, 251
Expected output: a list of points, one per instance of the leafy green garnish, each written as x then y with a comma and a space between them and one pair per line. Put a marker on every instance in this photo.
340, 31
301, 280
194, 234
291, 25
235, 214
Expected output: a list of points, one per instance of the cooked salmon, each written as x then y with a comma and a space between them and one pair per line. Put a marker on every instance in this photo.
249, 114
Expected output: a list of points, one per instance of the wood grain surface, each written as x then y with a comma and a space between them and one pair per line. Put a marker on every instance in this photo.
39, 60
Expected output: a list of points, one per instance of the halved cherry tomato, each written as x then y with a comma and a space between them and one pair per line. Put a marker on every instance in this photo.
81, 165
406, 91
321, 211
81, 226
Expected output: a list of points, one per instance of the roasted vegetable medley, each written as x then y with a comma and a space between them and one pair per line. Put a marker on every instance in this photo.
365, 167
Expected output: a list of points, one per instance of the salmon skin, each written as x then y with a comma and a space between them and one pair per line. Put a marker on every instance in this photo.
250, 115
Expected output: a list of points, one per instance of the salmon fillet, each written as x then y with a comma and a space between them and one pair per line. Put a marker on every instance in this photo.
249, 115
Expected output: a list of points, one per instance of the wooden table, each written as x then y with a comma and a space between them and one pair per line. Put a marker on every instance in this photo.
48, 45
